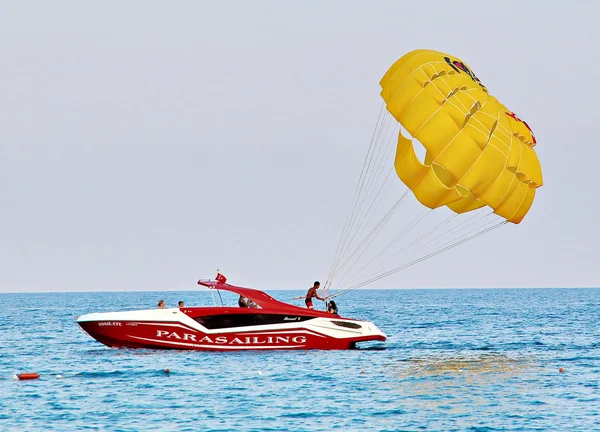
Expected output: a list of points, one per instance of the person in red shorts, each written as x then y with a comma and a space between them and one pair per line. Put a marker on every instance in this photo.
312, 292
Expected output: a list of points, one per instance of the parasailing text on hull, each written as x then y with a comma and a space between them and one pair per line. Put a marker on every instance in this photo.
233, 340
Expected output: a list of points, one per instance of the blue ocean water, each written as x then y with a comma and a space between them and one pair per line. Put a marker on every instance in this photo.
455, 360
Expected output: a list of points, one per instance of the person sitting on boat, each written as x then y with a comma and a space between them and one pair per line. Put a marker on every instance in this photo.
181, 303
161, 304
312, 292
251, 304
242, 301
332, 307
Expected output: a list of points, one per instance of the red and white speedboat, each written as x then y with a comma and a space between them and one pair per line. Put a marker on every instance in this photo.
272, 325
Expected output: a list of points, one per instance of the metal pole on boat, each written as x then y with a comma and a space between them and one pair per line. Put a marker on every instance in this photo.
219, 292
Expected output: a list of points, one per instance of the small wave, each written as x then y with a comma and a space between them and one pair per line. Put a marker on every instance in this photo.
299, 415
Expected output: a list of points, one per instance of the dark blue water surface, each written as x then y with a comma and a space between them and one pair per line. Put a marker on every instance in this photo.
454, 360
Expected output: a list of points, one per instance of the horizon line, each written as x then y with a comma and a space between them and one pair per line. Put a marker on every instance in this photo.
296, 289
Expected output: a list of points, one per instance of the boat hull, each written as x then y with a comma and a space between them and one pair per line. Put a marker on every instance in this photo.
173, 329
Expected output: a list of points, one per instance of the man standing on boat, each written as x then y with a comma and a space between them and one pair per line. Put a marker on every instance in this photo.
312, 292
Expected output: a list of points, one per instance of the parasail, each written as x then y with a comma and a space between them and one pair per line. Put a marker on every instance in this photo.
478, 155
478, 152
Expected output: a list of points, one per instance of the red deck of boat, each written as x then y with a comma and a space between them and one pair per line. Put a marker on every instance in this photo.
264, 300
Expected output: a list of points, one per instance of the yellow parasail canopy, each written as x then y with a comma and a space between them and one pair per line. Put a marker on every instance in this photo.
478, 152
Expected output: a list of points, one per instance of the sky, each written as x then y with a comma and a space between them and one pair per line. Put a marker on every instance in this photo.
146, 144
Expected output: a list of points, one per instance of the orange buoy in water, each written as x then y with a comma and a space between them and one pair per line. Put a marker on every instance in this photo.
167, 371
28, 376
561, 370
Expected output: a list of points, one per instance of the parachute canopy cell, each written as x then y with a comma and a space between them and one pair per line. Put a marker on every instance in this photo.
478, 152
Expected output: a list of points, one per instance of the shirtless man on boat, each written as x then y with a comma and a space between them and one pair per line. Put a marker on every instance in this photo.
312, 292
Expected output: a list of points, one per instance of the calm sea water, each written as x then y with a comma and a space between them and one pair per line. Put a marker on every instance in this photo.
454, 360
